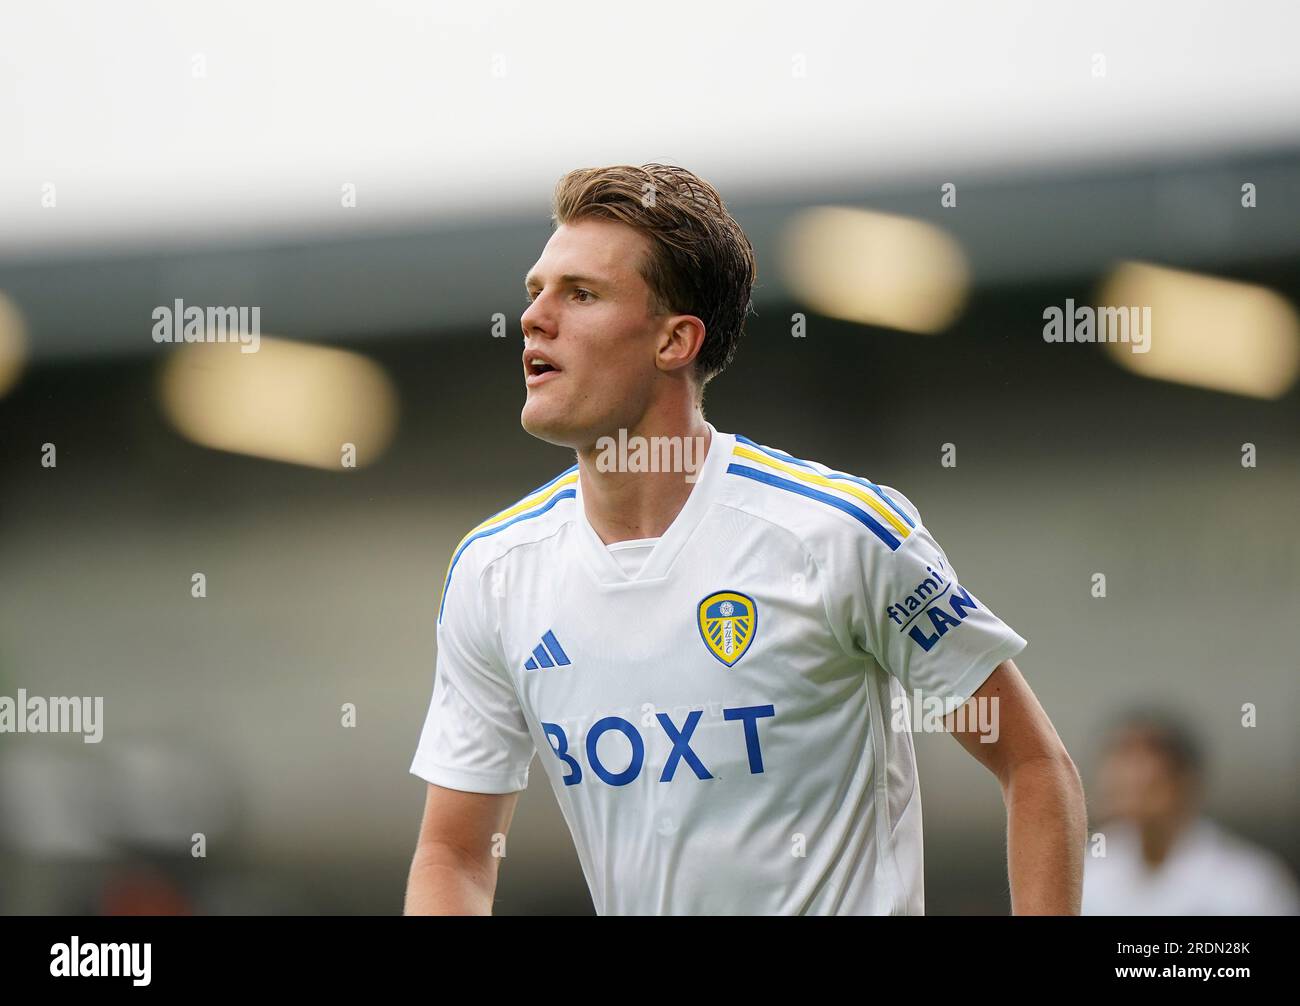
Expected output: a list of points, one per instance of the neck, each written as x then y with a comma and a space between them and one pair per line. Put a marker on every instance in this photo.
623, 500
1158, 839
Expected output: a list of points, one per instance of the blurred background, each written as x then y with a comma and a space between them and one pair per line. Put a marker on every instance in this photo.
921, 184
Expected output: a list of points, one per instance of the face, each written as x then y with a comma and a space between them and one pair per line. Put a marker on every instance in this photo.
589, 320
1136, 782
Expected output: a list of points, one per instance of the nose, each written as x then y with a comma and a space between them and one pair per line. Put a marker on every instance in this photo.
536, 319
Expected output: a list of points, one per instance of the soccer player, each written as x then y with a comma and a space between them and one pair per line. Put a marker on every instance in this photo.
1163, 855
714, 646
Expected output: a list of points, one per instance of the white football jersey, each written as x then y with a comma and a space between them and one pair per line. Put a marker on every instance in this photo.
727, 729
1208, 871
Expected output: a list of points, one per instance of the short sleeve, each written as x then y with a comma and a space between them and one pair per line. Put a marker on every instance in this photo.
907, 607
475, 737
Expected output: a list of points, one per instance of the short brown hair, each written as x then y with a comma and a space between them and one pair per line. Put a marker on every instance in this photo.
701, 263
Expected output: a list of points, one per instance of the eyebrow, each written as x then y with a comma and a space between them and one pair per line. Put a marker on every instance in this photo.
531, 280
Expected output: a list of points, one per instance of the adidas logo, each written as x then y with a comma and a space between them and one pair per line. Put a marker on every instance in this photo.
548, 653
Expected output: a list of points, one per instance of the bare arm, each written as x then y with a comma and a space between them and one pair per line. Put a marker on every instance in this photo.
454, 871
1046, 816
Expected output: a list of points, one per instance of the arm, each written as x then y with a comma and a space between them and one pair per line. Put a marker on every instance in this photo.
454, 871
1046, 817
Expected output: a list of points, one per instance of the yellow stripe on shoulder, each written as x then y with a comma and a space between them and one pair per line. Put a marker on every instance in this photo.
535, 500
839, 485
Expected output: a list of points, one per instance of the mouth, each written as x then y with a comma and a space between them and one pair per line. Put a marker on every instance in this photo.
538, 370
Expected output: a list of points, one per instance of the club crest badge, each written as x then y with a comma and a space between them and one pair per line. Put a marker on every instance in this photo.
728, 621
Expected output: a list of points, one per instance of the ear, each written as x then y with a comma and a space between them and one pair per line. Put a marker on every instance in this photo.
680, 342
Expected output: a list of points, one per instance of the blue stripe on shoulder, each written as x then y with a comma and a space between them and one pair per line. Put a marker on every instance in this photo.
795, 487
865, 483
526, 515
532, 492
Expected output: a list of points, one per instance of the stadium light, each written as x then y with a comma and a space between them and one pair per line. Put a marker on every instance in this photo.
876, 268
289, 401
1209, 332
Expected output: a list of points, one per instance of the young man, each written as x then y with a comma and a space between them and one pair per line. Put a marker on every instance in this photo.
1164, 856
715, 660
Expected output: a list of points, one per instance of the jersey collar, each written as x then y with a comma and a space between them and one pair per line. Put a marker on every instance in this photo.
659, 563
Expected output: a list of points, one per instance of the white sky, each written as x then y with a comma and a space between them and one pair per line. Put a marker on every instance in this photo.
400, 99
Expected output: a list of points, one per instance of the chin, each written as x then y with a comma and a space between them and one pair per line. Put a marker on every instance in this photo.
546, 425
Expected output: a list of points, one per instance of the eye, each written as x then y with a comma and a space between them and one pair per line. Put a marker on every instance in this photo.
587, 293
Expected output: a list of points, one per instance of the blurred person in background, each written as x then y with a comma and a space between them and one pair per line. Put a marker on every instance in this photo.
1162, 855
